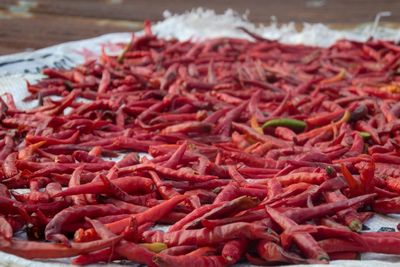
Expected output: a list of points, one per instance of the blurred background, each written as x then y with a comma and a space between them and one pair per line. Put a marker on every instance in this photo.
27, 25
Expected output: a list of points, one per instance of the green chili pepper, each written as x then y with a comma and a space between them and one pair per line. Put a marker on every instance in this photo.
330, 170
121, 57
293, 124
365, 135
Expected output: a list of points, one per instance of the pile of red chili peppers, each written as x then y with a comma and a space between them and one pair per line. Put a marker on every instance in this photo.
261, 152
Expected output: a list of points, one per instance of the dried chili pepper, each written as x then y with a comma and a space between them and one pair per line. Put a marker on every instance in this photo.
305, 242
41, 250
151, 215
204, 236
196, 109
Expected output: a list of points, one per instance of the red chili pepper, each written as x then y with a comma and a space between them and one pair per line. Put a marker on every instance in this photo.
192, 216
257, 136
130, 184
363, 126
246, 158
175, 158
367, 175
229, 192
198, 196
31, 139
6, 230
301, 138
122, 142
202, 237
341, 245
354, 185
210, 185
41, 169
349, 216
247, 217
233, 250
128, 160
253, 106
312, 178
127, 249
54, 227
104, 82
227, 208
344, 256
9, 167
393, 184
300, 215
42, 250
324, 118
165, 191
377, 244
106, 255
114, 190
63, 105
305, 242
333, 224
188, 127
387, 205
320, 232
274, 254
236, 176
169, 172
7, 148
285, 133
76, 181
195, 107
151, 215
178, 250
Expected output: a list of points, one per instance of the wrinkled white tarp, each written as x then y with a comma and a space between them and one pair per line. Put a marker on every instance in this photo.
198, 24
